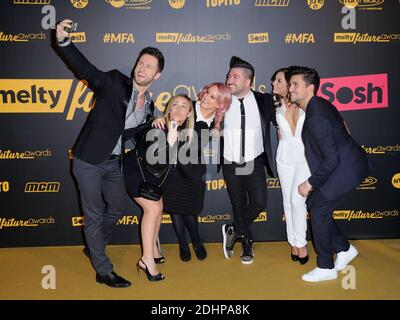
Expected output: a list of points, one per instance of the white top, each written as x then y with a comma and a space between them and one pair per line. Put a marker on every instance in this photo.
290, 148
253, 133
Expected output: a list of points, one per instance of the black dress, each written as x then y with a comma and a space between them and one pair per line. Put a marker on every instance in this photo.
185, 187
132, 174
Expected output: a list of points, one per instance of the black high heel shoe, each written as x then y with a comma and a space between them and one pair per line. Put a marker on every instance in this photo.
303, 260
159, 260
150, 277
294, 257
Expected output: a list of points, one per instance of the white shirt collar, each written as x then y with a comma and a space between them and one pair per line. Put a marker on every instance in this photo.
200, 116
249, 94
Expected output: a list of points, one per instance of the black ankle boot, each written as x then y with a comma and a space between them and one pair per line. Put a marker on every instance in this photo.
200, 252
184, 252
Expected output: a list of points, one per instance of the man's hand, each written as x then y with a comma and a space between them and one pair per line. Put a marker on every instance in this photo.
159, 123
305, 188
61, 34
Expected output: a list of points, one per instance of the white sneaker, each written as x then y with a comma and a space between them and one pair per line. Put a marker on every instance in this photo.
343, 258
319, 274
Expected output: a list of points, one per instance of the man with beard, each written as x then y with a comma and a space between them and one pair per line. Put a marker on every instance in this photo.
247, 125
121, 103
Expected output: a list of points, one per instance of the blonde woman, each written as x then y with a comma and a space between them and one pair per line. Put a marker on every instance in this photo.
155, 150
184, 190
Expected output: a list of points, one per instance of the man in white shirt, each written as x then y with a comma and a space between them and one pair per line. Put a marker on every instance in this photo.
246, 149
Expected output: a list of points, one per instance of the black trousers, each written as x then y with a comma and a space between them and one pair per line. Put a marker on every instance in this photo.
327, 237
98, 182
247, 191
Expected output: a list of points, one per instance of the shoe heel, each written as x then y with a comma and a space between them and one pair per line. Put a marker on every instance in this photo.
138, 267
150, 277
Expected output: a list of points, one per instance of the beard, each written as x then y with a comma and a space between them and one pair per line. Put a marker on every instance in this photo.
143, 82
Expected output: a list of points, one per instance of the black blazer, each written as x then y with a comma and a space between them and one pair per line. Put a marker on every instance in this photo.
106, 121
337, 163
266, 109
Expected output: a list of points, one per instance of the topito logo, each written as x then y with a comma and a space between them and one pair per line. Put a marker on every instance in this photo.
356, 92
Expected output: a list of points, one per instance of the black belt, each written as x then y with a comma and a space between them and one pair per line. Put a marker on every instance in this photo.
114, 156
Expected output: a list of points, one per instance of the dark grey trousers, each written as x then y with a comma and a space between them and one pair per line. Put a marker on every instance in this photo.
102, 191
327, 237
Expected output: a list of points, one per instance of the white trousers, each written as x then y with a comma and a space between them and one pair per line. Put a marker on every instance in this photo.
294, 205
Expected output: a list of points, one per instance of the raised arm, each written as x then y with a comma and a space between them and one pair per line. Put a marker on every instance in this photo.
82, 68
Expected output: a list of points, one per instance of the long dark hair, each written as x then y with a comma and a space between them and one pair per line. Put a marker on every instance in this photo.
277, 97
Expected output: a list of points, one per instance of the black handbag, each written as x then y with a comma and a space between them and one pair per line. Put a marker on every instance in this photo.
149, 190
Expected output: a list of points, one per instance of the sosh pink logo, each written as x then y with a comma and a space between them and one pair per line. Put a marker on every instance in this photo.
356, 92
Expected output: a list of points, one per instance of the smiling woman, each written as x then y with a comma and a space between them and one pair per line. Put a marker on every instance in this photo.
146, 172
291, 164
184, 190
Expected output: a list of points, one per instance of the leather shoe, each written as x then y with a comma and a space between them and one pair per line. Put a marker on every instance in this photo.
343, 258
200, 252
294, 257
184, 253
113, 280
319, 274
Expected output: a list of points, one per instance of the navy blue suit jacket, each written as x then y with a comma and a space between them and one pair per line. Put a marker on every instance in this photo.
337, 163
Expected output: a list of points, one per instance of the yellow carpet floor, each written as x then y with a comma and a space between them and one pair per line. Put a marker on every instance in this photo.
373, 275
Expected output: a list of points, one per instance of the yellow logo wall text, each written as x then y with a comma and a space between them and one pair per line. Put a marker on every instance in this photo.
32, 95
44, 96
42, 187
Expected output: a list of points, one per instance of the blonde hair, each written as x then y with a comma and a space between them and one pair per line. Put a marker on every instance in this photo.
187, 127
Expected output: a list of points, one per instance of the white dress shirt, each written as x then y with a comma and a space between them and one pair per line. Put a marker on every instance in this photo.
253, 133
